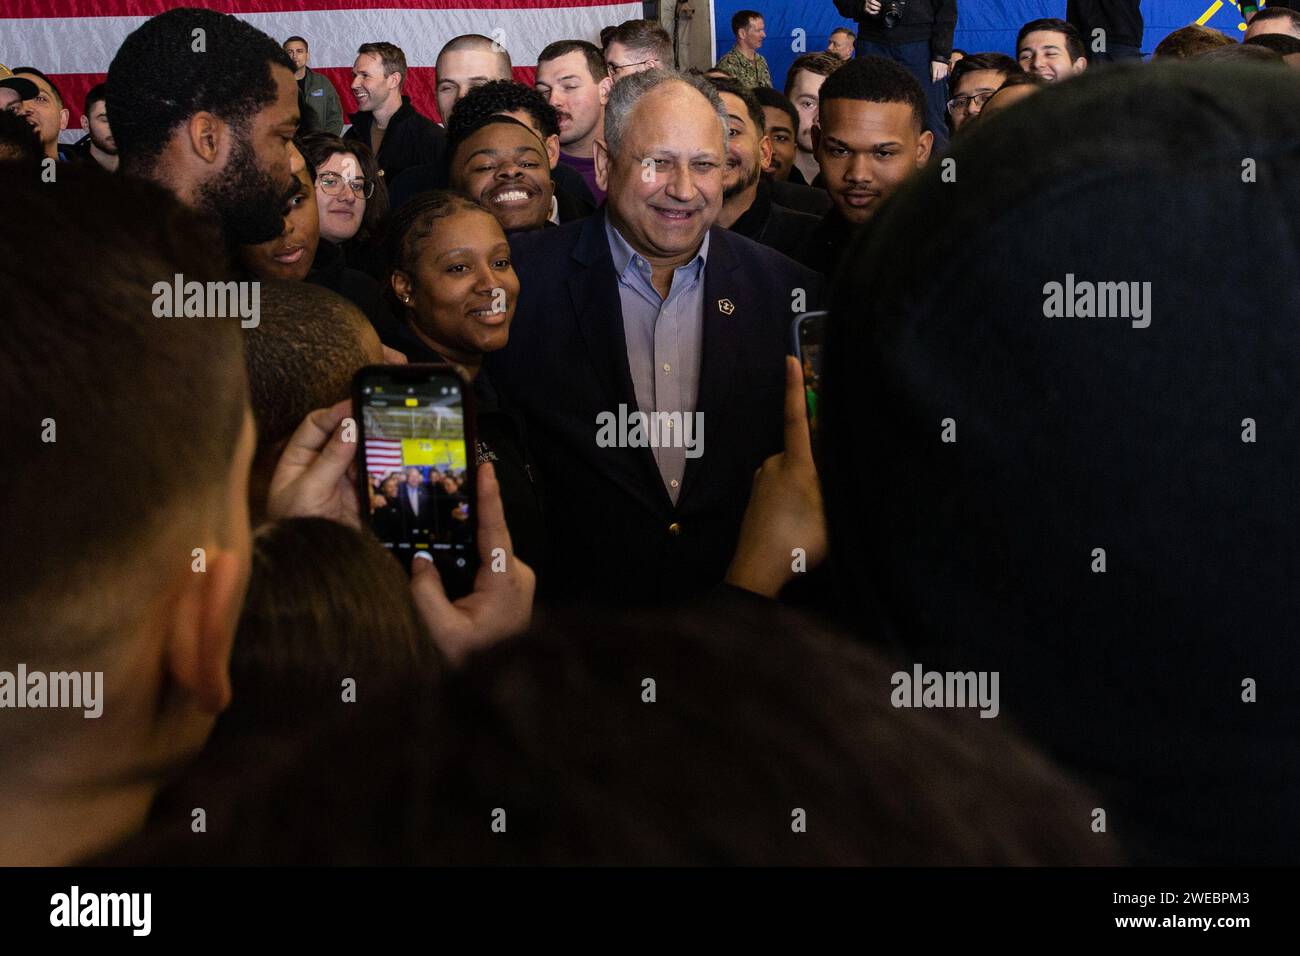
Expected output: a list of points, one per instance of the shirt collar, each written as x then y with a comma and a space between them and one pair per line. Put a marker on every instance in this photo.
625, 257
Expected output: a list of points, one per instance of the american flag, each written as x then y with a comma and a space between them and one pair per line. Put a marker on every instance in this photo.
383, 455
74, 40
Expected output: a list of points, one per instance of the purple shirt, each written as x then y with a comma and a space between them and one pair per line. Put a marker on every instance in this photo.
586, 168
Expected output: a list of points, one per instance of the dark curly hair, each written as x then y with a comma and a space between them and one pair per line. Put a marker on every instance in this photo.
875, 79
502, 96
158, 79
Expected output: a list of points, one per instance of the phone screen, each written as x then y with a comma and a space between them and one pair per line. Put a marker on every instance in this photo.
808, 335
416, 470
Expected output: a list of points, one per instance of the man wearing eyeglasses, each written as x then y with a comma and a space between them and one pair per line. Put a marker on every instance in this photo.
743, 61
975, 79
635, 46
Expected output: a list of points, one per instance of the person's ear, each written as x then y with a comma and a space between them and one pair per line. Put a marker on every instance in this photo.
401, 284
394, 81
204, 618
206, 133
63, 118
553, 150
1080, 64
85, 122
600, 160
765, 151
605, 86
924, 143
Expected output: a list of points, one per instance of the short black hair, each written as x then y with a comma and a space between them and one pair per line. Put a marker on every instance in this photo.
157, 81
503, 96
875, 79
301, 356
19, 142
767, 96
32, 71
297, 39
98, 93
740, 20
1073, 42
821, 63
464, 131
752, 106
974, 62
1282, 43
594, 57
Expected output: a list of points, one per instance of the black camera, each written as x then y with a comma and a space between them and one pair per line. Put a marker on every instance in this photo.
893, 12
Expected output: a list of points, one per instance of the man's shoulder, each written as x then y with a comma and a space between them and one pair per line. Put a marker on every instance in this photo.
763, 263
546, 246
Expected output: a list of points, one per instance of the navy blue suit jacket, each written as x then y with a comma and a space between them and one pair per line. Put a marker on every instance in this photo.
613, 532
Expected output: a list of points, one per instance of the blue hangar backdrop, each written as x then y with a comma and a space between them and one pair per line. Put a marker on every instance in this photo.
982, 25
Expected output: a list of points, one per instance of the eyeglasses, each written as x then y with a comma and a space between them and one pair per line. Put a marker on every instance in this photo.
331, 184
613, 68
960, 104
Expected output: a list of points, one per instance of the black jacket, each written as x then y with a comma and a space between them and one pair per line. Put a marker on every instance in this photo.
825, 245
330, 269
614, 534
772, 224
411, 139
801, 198
1121, 19
932, 20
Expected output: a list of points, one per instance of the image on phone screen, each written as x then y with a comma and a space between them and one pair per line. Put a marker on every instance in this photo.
808, 333
418, 485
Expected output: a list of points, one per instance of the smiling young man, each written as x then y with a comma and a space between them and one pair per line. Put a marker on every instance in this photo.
748, 208
572, 75
397, 134
869, 139
1052, 49
502, 165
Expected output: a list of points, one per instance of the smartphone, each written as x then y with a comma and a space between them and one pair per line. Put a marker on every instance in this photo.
809, 330
415, 466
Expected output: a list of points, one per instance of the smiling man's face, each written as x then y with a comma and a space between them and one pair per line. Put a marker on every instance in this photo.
504, 168
664, 187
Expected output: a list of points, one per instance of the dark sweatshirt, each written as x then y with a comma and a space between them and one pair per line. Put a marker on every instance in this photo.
1121, 19
932, 20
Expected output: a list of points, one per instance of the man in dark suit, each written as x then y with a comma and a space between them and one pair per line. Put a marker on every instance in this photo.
635, 328
398, 135
417, 506
747, 204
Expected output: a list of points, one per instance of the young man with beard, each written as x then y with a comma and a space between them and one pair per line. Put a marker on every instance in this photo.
747, 205
98, 143
571, 74
221, 138
870, 138
398, 135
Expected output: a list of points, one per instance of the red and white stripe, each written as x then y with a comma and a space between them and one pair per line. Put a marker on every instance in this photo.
74, 40
383, 455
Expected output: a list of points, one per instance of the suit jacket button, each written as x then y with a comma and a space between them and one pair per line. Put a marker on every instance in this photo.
674, 528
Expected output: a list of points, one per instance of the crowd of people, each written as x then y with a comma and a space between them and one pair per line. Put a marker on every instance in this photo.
654, 631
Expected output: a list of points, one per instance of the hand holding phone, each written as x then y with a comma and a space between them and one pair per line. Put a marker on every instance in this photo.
312, 477
501, 603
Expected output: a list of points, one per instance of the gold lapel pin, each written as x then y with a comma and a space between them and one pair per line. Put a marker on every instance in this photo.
726, 306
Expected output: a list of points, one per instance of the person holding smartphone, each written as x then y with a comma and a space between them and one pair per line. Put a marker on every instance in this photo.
455, 290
